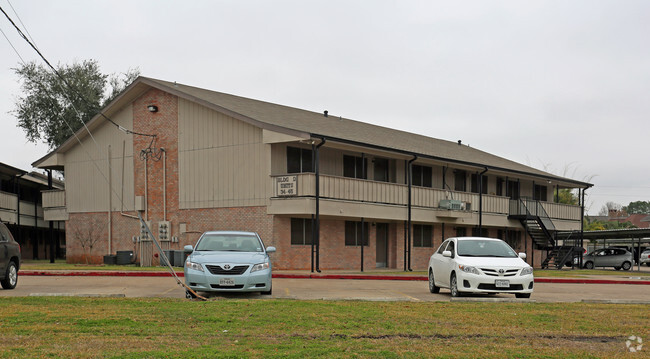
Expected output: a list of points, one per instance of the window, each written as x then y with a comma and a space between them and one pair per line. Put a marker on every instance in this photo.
352, 167
500, 186
422, 176
381, 169
461, 231
300, 231
475, 183
459, 181
482, 233
299, 160
451, 248
442, 246
422, 235
512, 189
540, 193
513, 239
353, 233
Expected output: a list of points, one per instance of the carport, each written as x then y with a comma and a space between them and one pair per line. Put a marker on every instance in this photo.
635, 239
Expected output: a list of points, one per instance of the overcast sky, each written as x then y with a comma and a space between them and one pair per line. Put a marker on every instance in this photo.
563, 86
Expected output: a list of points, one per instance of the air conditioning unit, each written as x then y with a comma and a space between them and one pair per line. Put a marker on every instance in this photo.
451, 204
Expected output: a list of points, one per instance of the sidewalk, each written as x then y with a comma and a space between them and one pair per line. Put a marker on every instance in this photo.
624, 278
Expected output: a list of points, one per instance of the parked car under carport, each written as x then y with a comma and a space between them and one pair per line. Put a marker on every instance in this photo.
618, 258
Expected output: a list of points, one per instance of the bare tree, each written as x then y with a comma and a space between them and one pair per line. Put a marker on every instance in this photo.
609, 208
88, 234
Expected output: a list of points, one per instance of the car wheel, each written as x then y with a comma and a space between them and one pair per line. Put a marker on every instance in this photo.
648, 264
627, 265
189, 295
522, 295
269, 292
453, 286
432, 284
11, 277
589, 265
617, 268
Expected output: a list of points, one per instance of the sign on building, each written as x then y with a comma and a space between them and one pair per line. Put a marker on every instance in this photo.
286, 186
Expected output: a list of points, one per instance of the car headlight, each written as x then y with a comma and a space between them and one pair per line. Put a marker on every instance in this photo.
468, 269
192, 265
527, 271
260, 266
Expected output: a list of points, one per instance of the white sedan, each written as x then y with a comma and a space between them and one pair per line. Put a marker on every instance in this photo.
479, 265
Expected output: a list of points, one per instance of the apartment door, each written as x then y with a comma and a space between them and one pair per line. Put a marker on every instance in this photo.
382, 245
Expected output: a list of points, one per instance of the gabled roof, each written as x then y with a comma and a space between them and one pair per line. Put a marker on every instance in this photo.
308, 124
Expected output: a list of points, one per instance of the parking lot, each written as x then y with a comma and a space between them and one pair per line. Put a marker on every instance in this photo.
317, 289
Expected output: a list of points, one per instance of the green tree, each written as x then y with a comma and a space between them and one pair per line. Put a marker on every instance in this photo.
567, 196
638, 207
51, 110
597, 225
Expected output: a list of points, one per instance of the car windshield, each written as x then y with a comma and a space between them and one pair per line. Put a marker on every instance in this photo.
484, 248
229, 243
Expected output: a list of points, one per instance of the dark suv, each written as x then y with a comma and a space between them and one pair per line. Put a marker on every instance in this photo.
9, 258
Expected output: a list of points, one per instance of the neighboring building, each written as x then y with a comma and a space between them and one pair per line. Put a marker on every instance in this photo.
638, 220
22, 211
220, 161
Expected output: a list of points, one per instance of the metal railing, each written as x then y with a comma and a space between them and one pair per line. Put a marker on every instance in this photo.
531, 208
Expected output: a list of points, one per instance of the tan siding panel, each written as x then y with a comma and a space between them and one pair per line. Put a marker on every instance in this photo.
220, 160
87, 185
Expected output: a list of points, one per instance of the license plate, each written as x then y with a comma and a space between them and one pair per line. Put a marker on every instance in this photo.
226, 282
502, 283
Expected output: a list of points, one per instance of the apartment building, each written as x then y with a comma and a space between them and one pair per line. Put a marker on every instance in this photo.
328, 192
22, 211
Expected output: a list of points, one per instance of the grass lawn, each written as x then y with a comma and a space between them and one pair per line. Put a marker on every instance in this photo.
173, 328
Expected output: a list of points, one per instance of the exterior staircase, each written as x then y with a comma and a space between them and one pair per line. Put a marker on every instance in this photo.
561, 248
535, 220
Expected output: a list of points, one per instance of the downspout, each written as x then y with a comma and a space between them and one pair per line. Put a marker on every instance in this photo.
410, 185
480, 201
317, 230
363, 231
110, 202
164, 153
146, 192
313, 221
582, 223
51, 224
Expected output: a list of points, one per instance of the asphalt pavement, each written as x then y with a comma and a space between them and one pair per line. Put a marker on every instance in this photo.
302, 285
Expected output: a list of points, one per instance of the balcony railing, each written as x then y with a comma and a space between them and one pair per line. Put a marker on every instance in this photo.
8, 201
53, 198
352, 189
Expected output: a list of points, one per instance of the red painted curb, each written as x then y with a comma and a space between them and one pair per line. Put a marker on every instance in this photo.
314, 276
590, 281
349, 276
98, 274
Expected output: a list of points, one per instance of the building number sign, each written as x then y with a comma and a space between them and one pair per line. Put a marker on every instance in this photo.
286, 186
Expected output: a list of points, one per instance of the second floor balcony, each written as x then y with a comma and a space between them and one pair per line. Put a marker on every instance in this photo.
384, 193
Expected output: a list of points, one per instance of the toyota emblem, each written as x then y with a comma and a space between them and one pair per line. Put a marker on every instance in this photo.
226, 267
501, 271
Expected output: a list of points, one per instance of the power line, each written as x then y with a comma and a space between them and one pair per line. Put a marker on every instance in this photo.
12, 46
72, 89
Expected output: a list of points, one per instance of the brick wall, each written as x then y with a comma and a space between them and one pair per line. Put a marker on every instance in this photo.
162, 202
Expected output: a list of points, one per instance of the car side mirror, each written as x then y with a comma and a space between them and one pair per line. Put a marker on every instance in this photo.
522, 255
270, 249
188, 248
446, 254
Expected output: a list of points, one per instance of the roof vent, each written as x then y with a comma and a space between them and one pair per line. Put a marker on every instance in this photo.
459, 142
325, 113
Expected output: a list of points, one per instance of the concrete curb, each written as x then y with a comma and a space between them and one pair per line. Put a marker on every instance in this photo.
313, 276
